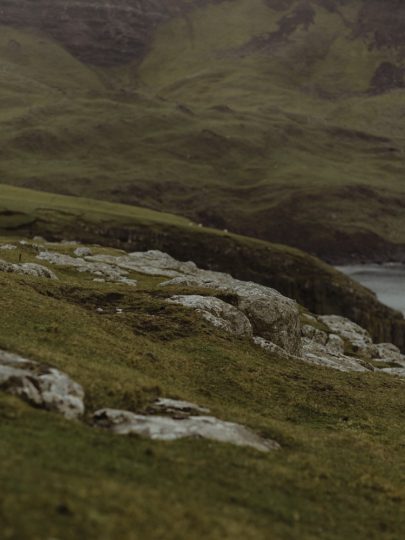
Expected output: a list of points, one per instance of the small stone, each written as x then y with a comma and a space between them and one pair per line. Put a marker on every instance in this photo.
83, 252
175, 406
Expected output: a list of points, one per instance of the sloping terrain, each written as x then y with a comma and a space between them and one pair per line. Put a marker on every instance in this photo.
338, 472
281, 120
312, 283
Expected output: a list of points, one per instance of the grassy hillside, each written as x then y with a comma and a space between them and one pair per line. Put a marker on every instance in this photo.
339, 473
311, 282
267, 118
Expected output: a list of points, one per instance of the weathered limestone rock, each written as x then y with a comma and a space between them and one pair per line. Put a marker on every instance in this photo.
164, 428
387, 352
7, 247
105, 271
176, 408
314, 334
28, 269
359, 339
335, 344
40, 385
319, 355
272, 315
323, 349
218, 313
314, 353
399, 372
152, 263
272, 348
82, 252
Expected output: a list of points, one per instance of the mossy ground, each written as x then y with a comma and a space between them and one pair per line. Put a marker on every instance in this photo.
338, 475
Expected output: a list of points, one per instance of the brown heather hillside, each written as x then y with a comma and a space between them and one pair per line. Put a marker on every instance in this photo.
277, 119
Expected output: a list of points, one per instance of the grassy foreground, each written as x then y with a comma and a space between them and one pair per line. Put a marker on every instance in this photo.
339, 473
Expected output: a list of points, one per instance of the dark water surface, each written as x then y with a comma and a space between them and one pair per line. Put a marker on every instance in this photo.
387, 281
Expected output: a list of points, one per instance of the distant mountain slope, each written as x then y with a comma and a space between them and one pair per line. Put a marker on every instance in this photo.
277, 119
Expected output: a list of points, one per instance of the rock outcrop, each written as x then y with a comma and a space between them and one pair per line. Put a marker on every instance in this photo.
272, 315
29, 269
152, 263
359, 339
257, 312
241, 308
166, 428
218, 313
41, 385
103, 272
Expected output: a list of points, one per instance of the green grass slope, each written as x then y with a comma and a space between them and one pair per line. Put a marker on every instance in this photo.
338, 475
267, 118
308, 280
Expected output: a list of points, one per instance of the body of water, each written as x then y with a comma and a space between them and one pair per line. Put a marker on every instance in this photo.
387, 281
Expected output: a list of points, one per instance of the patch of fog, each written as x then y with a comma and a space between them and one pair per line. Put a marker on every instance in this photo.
387, 281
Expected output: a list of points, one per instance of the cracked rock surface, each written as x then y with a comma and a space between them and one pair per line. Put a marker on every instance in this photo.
218, 313
102, 271
29, 269
41, 385
164, 428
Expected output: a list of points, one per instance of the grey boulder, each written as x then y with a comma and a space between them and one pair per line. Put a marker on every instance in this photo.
41, 385
28, 269
218, 313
